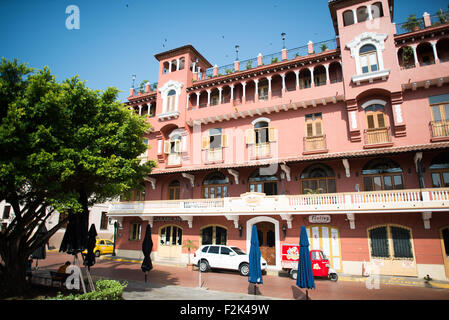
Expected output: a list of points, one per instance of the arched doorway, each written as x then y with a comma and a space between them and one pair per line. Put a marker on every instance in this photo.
268, 229
444, 235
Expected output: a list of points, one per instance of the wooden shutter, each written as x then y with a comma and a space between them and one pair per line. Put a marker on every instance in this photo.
178, 146
167, 147
370, 120
250, 136
318, 130
381, 120
224, 140
309, 130
205, 141
272, 134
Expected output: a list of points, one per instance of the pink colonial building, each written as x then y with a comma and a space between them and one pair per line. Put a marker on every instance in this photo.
348, 137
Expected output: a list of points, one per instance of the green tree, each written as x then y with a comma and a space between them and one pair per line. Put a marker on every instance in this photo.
64, 147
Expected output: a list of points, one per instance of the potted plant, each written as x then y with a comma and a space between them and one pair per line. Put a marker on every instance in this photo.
412, 23
228, 71
323, 47
407, 54
189, 244
249, 64
274, 60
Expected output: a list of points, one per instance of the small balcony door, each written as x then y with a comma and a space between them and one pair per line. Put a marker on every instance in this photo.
440, 120
377, 129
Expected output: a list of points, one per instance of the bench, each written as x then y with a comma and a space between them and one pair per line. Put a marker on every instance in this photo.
58, 277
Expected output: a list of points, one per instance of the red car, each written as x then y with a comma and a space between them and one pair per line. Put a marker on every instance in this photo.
320, 264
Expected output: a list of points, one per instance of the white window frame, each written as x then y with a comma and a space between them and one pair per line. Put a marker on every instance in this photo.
164, 90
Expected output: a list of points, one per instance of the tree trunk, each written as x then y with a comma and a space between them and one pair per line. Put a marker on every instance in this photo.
14, 277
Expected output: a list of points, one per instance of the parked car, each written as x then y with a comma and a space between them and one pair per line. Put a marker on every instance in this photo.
102, 246
223, 257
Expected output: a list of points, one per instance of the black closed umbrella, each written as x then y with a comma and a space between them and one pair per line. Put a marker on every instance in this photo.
75, 236
89, 259
40, 253
147, 246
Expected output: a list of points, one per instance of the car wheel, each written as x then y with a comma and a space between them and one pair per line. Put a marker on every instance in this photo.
244, 269
293, 274
97, 253
204, 266
333, 277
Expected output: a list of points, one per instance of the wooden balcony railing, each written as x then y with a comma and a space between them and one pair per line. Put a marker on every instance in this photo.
261, 150
315, 143
439, 129
377, 136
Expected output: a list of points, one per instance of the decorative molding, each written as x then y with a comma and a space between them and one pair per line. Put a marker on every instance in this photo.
426, 216
234, 173
190, 177
373, 101
346, 165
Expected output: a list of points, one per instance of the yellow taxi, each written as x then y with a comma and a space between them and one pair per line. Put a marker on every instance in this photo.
102, 246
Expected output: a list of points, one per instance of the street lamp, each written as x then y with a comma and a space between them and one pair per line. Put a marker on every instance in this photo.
115, 230
237, 52
283, 34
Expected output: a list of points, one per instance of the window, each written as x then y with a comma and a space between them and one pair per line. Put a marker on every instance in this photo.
214, 249
362, 14
376, 10
6, 212
368, 58
348, 18
205, 249
439, 170
171, 97
314, 124
213, 235
225, 251
263, 90
440, 120
215, 185
261, 136
382, 174
318, 178
173, 190
104, 221
172, 148
181, 63
377, 130
170, 236
263, 183
214, 143
390, 242
134, 232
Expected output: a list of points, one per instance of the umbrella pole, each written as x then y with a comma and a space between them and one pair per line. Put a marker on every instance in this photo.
77, 262
146, 276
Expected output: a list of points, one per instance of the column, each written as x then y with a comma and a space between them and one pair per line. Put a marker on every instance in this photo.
256, 94
283, 82
177, 64
208, 97
327, 73
187, 101
149, 107
269, 87
140, 110
354, 12
312, 84
169, 66
232, 92
415, 56
435, 53
244, 95
297, 79
197, 99
220, 94
370, 15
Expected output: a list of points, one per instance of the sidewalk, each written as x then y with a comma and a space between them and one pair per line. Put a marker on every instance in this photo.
374, 280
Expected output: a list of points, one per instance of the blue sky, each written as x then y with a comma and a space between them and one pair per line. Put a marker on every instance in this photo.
118, 38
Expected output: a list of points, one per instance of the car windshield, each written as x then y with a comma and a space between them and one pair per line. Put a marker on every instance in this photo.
323, 256
238, 250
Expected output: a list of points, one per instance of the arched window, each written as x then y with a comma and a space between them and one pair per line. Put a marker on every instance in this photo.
172, 148
182, 63
166, 67
173, 66
424, 51
390, 242
215, 185
263, 183
376, 10
382, 174
174, 190
368, 58
214, 235
348, 18
377, 127
318, 178
170, 235
171, 98
362, 14
439, 170
260, 137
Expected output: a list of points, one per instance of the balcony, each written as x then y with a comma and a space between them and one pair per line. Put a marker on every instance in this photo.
411, 200
439, 130
315, 144
377, 137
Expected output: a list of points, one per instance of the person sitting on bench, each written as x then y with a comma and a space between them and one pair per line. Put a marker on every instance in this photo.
62, 270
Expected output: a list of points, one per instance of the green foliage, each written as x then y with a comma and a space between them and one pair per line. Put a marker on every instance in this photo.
323, 47
274, 60
249, 64
105, 290
412, 23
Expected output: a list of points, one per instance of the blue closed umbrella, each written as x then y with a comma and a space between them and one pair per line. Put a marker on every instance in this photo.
255, 271
305, 273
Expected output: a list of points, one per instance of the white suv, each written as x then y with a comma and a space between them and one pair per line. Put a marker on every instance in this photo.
223, 257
